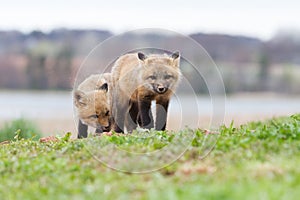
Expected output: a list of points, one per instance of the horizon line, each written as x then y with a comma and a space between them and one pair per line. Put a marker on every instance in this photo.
189, 33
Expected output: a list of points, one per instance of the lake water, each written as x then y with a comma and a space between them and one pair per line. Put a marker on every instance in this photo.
53, 111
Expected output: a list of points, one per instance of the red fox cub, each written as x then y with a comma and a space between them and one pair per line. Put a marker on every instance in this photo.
138, 80
92, 104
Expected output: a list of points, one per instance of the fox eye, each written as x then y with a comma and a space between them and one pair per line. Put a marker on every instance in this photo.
168, 76
152, 77
94, 116
107, 113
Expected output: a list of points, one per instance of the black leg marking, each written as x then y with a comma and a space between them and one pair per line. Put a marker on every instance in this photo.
119, 107
161, 115
119, 119
82, 130
145, 115
132, 117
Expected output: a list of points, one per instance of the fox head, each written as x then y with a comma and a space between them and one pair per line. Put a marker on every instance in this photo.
160, 73
93, 107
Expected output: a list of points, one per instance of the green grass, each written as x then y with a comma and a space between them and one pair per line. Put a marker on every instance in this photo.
259, 160
21, 128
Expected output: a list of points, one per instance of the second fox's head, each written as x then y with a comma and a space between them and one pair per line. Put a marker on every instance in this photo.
160, 73
93, 107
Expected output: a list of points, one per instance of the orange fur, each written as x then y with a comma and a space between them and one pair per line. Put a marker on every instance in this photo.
92, 103
137, 79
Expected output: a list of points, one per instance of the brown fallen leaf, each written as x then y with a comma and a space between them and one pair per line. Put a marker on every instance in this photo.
107, 133
115, 134
4, 142
49, 139
206, 131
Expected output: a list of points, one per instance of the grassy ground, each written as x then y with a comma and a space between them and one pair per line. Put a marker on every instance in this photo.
22, 127
259, 160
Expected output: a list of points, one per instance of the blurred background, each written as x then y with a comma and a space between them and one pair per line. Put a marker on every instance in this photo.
255, 44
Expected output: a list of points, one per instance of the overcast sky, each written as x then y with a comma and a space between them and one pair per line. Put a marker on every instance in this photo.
259, 18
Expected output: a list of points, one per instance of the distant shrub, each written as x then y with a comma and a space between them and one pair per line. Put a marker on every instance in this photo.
21, 127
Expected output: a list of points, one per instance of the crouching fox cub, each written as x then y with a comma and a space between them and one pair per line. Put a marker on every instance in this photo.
92, 103
138, 80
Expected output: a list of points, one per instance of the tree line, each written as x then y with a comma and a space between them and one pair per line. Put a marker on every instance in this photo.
39, 60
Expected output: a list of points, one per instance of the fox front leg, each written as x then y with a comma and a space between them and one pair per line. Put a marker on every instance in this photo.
145, 115
82, 130
161, 114
132, 117
119, 117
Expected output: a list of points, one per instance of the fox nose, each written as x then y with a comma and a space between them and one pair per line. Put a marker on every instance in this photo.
161, 89
106, 128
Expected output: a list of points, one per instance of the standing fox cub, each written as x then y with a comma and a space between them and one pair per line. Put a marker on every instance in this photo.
138, 80
92, 103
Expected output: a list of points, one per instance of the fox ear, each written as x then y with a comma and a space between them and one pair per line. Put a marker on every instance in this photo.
104, 87
175, 55
141, 56
80, 98
176, 58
